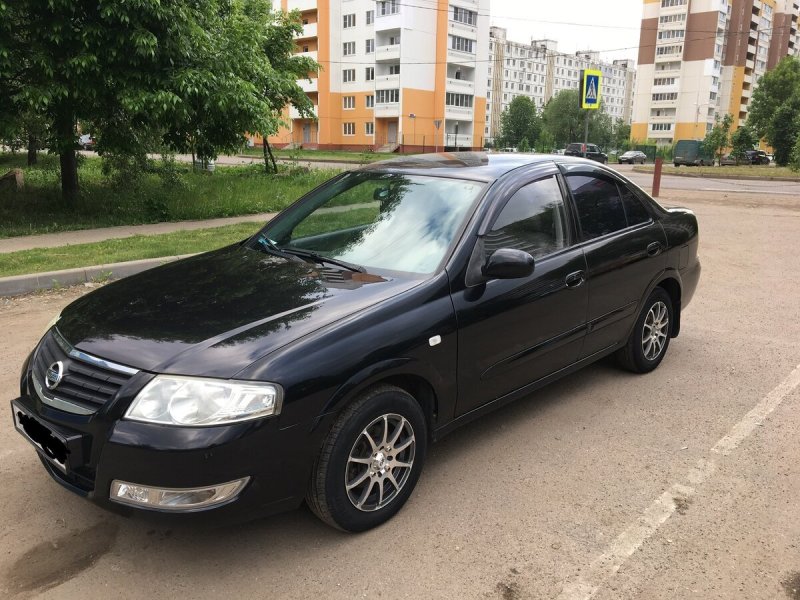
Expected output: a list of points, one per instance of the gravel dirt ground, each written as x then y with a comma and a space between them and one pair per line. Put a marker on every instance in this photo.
604, 485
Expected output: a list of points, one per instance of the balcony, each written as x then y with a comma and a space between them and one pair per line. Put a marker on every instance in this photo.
387, 53
310, 54
309, 31
295, 114
387, 109
742, 108
458, 113
386, 22
462, 30
387, 82
301, 5
457, 57
308, 85
461, 86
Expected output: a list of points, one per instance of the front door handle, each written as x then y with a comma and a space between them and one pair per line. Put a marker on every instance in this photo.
575, 279
654, 249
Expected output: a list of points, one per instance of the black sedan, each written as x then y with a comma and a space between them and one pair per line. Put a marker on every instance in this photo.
318, 359
632, 157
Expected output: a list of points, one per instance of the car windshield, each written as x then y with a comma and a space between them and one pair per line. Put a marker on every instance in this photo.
374, 220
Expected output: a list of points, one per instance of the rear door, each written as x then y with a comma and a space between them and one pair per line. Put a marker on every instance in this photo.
624, 246
515, 331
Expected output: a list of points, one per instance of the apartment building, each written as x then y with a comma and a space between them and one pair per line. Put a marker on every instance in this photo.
702, 59
537, 70
394, 73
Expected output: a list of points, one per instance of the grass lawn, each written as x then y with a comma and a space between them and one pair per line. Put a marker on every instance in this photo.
756, 171
131, 248
172, 194
300, 154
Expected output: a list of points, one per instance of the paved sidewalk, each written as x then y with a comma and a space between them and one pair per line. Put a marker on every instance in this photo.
68, 238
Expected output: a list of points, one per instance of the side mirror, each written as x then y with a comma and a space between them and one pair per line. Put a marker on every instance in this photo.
508, 263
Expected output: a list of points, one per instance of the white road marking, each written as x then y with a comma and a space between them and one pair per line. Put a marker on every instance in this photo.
629, 541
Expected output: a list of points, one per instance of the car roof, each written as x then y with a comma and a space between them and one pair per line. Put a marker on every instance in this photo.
467, 165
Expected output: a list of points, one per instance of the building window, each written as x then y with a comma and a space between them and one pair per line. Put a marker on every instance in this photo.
348, 102
665, 97
369, 128
348, 21
662, 50
671, 34
668, 3
388, 7
394, 40
661, 126
462, 15
463, 100
462, 44
370, 17
387, 96
369, 100
664, 81
348, 48
348, 128
370, 46
394, 69
369, 73
348, 75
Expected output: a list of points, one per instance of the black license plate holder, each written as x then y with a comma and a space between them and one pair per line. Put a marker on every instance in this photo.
60, 450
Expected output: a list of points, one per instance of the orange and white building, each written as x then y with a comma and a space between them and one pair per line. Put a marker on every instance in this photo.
702, 59
407, 74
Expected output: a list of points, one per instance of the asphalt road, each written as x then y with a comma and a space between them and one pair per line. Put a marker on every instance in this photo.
681, 483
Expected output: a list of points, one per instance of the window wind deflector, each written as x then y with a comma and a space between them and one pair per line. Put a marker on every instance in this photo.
319, 258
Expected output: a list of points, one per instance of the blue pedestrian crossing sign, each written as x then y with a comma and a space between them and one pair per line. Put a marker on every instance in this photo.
590, 88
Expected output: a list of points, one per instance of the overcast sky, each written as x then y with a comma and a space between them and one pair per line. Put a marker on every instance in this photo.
574, 24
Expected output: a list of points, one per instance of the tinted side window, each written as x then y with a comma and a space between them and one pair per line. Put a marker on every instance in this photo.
592, 149
533, 220
599, 206
634, 209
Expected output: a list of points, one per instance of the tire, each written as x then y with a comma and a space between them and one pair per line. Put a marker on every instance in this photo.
360, 438
642, 354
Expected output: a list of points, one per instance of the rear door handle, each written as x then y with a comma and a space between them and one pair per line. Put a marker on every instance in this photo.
575, 279
653, 249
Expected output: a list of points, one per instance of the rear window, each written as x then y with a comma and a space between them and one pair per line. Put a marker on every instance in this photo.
599, 205
575, 148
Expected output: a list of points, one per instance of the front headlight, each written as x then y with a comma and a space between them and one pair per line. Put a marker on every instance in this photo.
197, 402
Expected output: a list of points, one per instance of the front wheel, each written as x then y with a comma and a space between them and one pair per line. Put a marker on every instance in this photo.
649, 340
370, 461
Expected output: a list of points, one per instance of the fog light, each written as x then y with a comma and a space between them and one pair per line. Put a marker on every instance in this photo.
176, 499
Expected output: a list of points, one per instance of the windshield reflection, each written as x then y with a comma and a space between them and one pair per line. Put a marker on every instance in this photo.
383, 221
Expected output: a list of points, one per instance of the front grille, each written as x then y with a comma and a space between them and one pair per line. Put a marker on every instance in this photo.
88, 382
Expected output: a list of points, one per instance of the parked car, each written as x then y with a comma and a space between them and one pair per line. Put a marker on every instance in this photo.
589, 151
691, 153
632, 157
729, 160
87, 142
757, 157
319, 358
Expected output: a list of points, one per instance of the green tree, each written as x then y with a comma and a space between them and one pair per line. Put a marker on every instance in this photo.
773, 110
563, 118
717, 139
600, 128
621, 138
742, 139
190, 73
281, 88
520, 121
523, 145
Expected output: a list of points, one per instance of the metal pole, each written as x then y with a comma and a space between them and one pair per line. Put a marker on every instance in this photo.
585, 133
657, 177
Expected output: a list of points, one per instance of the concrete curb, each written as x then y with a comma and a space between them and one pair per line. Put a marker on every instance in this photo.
25, 284
733, 177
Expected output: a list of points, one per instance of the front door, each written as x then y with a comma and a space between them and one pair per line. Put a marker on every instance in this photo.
306, 133
391, 136
513, 332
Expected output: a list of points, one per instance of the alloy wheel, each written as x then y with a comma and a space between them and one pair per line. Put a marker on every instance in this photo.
655, 330
380, 462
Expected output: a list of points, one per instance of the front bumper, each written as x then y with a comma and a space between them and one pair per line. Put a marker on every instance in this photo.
101, 448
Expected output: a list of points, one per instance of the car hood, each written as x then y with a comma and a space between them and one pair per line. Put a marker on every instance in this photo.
216, 313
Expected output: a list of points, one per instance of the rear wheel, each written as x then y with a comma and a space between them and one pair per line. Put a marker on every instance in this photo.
649, 339
370, 461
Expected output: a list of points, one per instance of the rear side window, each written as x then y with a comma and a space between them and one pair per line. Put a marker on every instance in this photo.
599, 205
634, 209
533, 220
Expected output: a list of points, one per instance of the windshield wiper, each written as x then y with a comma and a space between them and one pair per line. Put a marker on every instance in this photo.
319, 258
272, 248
